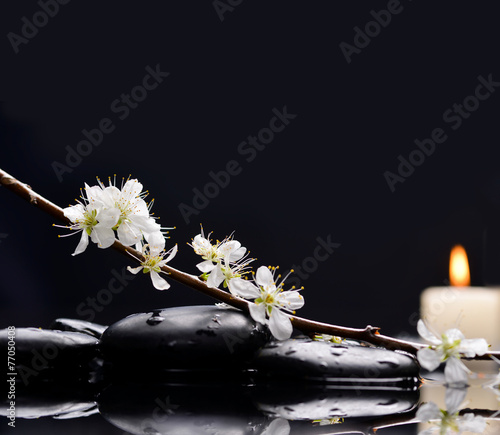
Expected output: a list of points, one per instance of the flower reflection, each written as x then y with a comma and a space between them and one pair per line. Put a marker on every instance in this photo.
449, 421
278, 426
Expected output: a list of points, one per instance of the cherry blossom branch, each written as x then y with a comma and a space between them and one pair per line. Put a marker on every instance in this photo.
369, 334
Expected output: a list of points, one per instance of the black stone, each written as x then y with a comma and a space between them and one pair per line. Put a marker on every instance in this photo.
49, 353
194, 337
76, 325
294, 401
54, 398
210, 408
306, 359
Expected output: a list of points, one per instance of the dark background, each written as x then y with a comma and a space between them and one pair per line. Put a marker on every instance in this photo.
321, 176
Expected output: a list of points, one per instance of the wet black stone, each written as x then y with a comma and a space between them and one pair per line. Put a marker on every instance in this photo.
207, 408
55, 398
194, 337
307, 359
309, 402
37, 351
76, 325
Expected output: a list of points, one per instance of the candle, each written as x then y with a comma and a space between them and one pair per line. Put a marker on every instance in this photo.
473, 310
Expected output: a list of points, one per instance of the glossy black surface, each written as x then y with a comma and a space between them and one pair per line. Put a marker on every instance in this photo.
184, 337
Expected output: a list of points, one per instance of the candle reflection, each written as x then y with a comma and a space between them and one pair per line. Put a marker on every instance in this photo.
474, 310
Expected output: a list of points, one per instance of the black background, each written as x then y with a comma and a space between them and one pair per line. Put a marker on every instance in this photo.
321, 176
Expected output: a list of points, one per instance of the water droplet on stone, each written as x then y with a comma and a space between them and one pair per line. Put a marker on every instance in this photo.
337, 351
216, 319
388, 402
155, 319
390, 362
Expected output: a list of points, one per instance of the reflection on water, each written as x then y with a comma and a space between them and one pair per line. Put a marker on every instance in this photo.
221, 403
286, 390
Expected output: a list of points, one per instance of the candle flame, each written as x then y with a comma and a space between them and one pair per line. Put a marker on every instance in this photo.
459, 267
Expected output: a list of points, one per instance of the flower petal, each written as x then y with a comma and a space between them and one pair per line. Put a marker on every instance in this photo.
229, 247
74, 212
146, 224
472, 423
134, 270
291, 300
156, 243
216, 277
108, 217
429, 359
258, 312
110, 196
243, 288
454, 397
128, 234
426, 334
454, 334
94, 194
264, 276
280, 324
82, 245
103, 236
140, 208
428, 411
279, 426
237, 254
474, 346
205, 266
455, 373
200, 243
131, 190
171, 254
158, 282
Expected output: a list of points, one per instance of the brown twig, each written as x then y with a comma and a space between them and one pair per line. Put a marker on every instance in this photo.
368, 334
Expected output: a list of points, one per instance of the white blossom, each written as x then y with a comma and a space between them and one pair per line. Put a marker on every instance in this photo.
154, 253
223, 261
92, 219
271, 303
135, 220
449, 348
449, 421
105, 212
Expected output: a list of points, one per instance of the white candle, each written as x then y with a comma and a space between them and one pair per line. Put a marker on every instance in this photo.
473, 310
